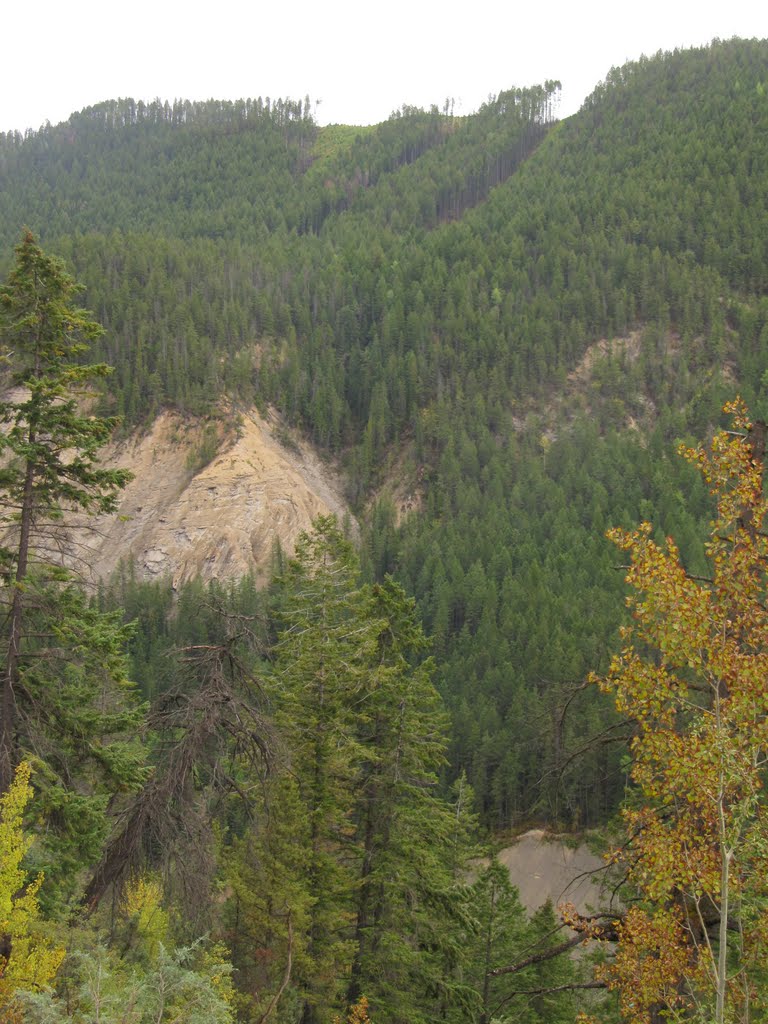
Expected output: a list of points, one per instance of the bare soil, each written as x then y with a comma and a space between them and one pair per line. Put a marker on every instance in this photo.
546, 868
221, 522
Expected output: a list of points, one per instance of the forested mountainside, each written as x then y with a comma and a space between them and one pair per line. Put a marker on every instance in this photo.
421, 294
500, 326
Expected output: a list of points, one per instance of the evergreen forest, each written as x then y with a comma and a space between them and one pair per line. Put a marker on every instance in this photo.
280, 805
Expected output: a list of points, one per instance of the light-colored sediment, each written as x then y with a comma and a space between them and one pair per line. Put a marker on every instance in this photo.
219, 523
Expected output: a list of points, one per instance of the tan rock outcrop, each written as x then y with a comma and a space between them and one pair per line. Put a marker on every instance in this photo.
221, 522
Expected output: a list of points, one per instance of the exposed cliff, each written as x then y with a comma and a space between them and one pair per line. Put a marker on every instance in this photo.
219, 522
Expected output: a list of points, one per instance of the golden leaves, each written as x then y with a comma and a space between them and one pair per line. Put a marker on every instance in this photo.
654, 956
693, 676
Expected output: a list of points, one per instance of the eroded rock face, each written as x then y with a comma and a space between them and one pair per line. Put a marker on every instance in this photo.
219, 523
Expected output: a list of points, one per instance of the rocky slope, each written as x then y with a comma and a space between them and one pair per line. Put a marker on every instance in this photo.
545, 867
219, 522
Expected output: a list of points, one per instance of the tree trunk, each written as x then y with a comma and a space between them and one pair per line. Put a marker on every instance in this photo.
15, 620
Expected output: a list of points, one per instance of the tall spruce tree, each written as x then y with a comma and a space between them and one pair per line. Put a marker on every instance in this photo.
374, 903
67, 704
323, 656
409, 901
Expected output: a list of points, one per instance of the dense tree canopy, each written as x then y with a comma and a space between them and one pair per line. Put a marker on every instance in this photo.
520, 315
501, 325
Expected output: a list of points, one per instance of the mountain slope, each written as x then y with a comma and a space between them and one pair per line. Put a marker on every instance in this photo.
419, 298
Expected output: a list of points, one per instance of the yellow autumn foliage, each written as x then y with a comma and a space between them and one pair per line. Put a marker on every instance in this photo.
692, 677
358, 1013
33, 961
142, 905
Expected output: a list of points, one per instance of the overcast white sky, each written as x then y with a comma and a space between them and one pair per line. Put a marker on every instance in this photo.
360, 60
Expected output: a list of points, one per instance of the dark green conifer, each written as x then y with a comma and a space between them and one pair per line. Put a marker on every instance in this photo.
67, 703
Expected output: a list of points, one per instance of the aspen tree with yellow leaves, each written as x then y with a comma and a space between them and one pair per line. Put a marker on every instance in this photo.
693, 678
28, 962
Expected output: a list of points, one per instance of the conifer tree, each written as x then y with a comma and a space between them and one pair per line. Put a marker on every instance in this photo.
66, 700
323, 655
375, 902
501, 933
414, 843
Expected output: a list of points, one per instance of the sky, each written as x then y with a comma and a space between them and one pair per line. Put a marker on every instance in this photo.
358, 62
